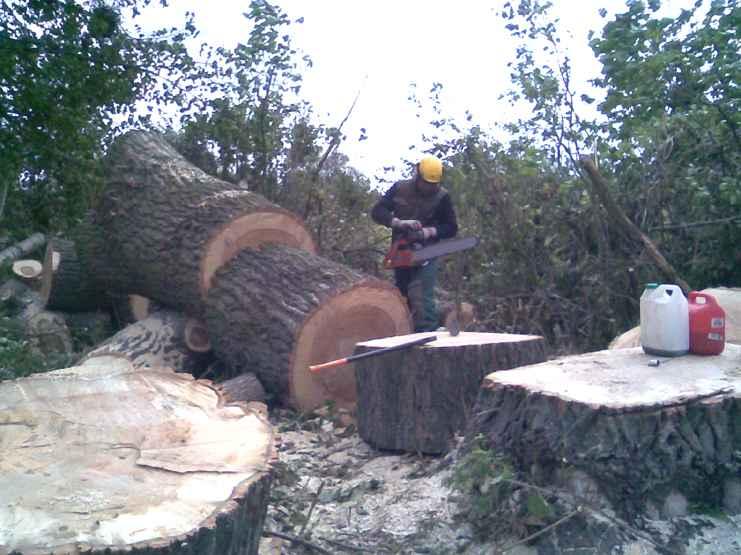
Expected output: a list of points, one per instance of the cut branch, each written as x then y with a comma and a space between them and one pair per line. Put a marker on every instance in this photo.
627, 226
23, 248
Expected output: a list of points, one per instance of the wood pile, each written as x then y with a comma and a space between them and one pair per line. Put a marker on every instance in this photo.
205, 279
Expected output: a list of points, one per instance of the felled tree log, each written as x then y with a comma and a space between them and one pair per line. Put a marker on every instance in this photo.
67, 283
23, 248
157, 341
646, 439
417, 399
276, 310
729, 298
165, 226
110, 459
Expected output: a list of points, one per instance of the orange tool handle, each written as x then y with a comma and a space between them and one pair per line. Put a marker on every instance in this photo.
346, 360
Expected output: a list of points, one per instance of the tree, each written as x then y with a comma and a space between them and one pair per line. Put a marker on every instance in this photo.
69, 74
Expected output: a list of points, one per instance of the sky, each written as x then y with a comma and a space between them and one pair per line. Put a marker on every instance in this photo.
373, 50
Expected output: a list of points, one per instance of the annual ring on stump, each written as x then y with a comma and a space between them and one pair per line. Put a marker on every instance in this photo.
252, 231
331, 332
104, 458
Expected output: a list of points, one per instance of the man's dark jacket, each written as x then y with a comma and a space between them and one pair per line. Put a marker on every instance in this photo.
404, 200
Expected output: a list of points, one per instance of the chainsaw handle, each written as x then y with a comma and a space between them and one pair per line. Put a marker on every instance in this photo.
399, 255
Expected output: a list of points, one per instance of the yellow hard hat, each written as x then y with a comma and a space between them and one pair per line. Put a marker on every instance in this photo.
430, 169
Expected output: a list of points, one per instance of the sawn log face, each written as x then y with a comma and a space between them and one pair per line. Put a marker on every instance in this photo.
276, 310
106, 458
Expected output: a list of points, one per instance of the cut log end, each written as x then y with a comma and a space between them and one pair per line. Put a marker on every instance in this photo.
27, 269
253, 231
91, 463
359, 314
196, 336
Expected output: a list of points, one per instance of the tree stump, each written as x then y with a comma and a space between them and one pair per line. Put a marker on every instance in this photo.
276, 310
417, 399
642, 436
111, 459
160, 340
165, 227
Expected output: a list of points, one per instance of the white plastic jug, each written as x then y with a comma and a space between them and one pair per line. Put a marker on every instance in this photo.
665, 321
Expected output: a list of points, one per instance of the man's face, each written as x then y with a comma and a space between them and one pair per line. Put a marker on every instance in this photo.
426, 187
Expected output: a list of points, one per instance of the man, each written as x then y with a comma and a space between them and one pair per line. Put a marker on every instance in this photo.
422, 209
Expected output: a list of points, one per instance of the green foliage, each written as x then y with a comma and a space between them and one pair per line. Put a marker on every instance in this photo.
17, 358
68, 72
482, 478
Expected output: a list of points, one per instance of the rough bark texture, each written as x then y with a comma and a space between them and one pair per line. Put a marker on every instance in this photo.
646, 439
417, 399
111, 459
70, 286
245, 388
157, 341
277, 310
167, 226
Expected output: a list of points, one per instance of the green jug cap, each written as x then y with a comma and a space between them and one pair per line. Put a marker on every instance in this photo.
652, 285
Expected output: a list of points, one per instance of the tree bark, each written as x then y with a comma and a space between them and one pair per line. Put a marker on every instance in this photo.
68, 284
641, 435
417, 399
157, 341
110, 459
167, 226
277, 310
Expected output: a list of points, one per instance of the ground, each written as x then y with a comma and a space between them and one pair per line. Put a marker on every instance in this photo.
333, 493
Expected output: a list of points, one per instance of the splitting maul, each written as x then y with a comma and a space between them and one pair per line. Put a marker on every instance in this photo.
348, 360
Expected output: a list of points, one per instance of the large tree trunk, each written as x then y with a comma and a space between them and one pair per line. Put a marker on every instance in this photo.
276, 310
417, 399
110, 459
157, 341
165, 226
646, 438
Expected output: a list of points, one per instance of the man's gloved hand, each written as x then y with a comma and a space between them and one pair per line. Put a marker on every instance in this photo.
413, 225
422, 235
429, 233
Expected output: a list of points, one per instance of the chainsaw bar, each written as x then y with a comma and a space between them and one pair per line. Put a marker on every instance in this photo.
446, 246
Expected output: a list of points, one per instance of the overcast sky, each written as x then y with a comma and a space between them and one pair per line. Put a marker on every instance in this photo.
379, 47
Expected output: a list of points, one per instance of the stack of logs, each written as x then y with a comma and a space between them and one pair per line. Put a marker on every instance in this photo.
230, 273
204, 274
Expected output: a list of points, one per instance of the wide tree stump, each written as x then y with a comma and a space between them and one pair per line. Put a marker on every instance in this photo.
728, 297
276, 310
111, 459
160, 340
644, 438
417, 399
166, 226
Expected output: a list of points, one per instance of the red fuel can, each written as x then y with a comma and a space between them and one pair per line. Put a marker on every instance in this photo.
707, 324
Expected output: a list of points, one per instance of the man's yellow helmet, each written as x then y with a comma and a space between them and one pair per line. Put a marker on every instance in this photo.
430, 169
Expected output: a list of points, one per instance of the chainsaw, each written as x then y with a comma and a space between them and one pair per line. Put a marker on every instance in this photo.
409, 250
